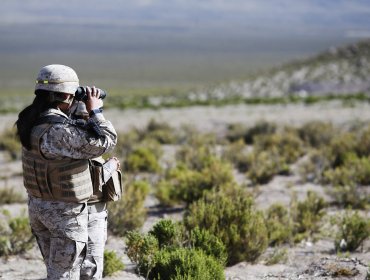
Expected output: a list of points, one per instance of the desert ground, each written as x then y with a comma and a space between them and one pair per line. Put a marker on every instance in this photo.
306, 260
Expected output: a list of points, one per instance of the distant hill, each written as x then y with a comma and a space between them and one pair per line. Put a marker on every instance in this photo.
337, 71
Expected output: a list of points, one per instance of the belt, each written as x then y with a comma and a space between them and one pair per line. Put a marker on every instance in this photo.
96, 207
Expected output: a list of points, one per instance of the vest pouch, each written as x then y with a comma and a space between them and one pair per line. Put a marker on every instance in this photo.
112, 190
96, 171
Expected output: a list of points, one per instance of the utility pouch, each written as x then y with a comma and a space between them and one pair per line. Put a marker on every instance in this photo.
105, 191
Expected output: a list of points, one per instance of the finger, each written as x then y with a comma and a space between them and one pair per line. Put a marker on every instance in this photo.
93, 91
97, 92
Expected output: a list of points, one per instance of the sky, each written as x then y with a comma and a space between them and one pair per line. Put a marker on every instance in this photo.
174, 36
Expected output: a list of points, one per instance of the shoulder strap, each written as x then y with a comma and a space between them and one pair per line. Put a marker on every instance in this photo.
59, 119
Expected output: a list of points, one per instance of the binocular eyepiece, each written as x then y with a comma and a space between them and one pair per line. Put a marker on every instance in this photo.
81, 94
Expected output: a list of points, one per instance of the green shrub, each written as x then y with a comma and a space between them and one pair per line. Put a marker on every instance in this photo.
363, 143
165, 253
261, 128
317, 134
185, 185
10, 143
353, 171
142, 249
16, 236
142, 160
128, 213
167, 233
264, 165
193, 138
236, 132
312, 169
340, 147
9, 195
126, 142
279, 225
184, 263
210, 244
350, 196
236, 154
195, 157
353, 230
112, 263
230, 216
286, 144
307, 215
160, 132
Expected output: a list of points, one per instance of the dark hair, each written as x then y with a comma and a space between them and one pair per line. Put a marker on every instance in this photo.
29, 115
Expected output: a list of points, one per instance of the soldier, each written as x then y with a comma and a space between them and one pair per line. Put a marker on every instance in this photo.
92, 267
55, 159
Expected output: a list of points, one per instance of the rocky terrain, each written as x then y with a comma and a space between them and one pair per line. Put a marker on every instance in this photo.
306, 260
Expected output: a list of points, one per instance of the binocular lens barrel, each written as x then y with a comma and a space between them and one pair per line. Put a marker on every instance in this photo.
81, 94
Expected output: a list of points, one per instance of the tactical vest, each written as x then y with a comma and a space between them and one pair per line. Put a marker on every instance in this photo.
63, 180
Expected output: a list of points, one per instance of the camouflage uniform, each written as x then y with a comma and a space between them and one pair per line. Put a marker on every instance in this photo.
61, 228
93, 265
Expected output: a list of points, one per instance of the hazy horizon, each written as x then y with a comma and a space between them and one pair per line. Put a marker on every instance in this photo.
155, 43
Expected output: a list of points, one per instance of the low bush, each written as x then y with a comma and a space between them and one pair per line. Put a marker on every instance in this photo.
317, 134
261, 128
166, 253
16, 236
167, 233
236, 132
350, 196
264, 165
209, 243
184, 263
142, 249
142, 159
9, 195
112, 263
353, 171
236, 153
11, 144
195, 157
363, 146
279, 225
160, 132
229, 215
313, 167
340, 147
307, 216
187, 185
286, 144
128, 213
353, 230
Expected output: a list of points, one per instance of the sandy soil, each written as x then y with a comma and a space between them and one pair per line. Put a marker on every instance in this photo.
307, 260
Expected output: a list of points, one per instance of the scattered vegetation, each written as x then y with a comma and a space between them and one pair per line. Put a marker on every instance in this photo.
15, 235
353, 230
10, 143
307, 216
229, 214
277, 256
9, 195
163, 253
112, 263
129, 213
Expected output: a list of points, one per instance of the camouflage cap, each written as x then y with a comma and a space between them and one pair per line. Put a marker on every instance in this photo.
57, 78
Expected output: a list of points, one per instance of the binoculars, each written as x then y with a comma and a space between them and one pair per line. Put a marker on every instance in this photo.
81, 94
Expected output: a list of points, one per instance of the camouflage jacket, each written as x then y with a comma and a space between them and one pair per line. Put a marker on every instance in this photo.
69, 141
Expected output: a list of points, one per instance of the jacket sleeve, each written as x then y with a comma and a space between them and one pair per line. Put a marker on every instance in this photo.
65, 140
